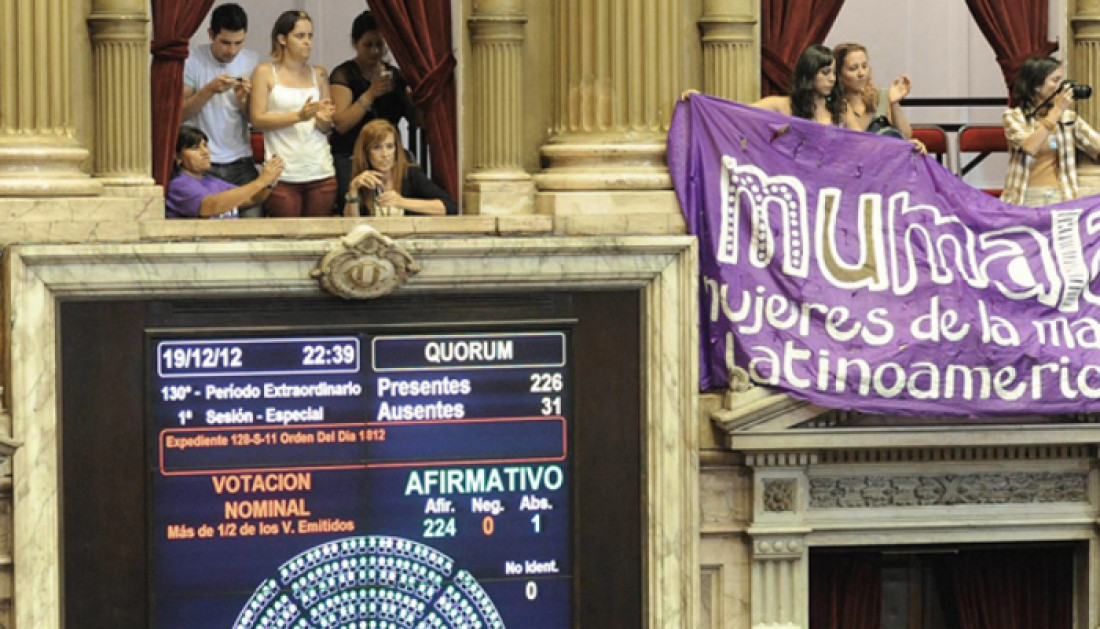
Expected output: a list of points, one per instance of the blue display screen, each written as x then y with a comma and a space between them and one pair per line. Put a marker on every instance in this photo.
361, 480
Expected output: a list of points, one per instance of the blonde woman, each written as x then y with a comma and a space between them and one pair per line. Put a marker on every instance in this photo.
291, 105
863, 102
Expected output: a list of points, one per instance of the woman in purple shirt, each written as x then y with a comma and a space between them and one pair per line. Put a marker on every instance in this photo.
194, 194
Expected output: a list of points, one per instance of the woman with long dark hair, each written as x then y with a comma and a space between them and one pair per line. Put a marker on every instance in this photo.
364, 88
815, 93
1043, 131
384, 183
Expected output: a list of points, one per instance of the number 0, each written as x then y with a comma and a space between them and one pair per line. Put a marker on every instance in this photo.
532, 590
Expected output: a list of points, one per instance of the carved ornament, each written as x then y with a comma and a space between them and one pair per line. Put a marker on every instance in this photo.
869, 492
364, 265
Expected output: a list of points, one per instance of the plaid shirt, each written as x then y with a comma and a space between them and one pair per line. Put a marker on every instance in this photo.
1018, 128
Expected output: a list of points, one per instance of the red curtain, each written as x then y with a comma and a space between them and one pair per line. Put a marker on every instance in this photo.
1021, 589
787, 27
419, 34
1016, 29
174, 22
845, 591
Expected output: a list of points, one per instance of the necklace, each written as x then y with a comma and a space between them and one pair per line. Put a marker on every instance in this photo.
851, 108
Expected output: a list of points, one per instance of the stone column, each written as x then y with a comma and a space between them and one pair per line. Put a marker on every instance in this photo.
39, 152
120, 46
731, 51
498, 184
617, 74
1084, 64
780, 572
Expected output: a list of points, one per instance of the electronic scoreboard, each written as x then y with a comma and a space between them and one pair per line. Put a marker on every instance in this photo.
361, 479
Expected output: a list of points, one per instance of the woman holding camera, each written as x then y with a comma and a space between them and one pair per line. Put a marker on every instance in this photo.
364, 88
1042, 131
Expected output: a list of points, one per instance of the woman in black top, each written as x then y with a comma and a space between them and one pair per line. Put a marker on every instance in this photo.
384, 183
363, 89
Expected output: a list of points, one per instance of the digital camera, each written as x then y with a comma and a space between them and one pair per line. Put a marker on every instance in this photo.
1080, 90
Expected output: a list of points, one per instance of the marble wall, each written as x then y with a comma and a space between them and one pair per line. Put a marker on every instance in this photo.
661, 269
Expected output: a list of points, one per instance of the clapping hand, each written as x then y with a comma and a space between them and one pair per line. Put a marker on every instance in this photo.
272, 170
308, 110
325, 111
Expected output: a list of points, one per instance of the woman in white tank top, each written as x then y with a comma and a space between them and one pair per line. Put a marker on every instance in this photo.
291, 105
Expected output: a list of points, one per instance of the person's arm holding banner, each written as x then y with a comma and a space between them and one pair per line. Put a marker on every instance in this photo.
814, 93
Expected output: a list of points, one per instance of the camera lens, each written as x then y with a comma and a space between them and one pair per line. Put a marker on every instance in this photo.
1080, 90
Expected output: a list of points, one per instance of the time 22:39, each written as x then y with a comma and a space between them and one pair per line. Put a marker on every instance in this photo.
321, 355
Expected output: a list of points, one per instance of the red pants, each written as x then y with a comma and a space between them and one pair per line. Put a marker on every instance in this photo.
309, 198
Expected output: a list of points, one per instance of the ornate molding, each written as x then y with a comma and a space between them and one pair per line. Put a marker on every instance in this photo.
873, 492
969, 455
778, 548
781, 459
779, 495
364, 265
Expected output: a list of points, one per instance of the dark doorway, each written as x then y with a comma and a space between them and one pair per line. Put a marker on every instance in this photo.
1018, 586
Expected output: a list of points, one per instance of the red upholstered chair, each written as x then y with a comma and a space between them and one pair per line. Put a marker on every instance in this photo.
983, 140
934, 139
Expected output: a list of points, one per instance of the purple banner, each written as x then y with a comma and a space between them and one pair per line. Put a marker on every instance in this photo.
851, 272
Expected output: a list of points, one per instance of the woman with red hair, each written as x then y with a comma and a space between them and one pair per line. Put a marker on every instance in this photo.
384, 183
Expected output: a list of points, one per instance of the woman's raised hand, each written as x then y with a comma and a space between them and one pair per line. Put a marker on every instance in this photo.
899, 88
